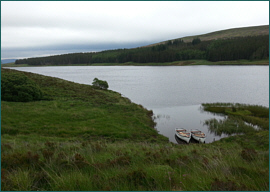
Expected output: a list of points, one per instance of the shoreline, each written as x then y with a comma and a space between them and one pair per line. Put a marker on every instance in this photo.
174, 63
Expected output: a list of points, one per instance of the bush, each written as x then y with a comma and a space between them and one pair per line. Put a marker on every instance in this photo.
100, 84
19, 88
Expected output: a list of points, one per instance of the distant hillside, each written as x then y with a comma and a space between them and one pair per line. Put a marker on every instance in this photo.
250, 43
224, 34
4, 61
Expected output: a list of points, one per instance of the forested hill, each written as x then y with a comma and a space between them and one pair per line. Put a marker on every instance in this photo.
251, 43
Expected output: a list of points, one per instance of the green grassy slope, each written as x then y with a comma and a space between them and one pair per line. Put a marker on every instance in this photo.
76, 110
225, 34
84, 139
231, 33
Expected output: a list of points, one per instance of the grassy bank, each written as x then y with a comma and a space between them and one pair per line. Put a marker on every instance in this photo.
71, 110
81, 138
175, 63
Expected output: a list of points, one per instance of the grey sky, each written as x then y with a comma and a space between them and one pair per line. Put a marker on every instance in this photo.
30, 29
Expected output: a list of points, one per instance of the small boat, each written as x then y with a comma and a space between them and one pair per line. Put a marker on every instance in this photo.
182, 134
198, 135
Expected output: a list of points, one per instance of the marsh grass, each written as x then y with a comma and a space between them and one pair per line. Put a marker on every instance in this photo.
84, 139
238, 117
228, 126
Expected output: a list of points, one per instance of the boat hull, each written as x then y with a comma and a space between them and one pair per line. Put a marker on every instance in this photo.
199, 139
198, 136
185, 137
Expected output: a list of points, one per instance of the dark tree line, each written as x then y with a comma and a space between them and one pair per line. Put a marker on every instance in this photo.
250, 48
73, 58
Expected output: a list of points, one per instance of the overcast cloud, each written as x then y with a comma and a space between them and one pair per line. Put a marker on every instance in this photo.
30, 29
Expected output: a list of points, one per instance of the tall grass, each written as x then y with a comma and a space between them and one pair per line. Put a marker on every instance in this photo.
134, 166
103, 165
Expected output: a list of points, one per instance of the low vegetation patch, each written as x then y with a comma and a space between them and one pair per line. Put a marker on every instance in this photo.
241, 118
87, 139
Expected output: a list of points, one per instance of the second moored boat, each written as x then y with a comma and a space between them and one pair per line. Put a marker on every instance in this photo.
198, 135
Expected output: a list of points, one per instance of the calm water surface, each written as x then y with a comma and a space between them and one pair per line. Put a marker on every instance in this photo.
175, 93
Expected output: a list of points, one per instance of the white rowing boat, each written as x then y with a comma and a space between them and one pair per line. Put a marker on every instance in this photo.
198, 135
183, 134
